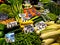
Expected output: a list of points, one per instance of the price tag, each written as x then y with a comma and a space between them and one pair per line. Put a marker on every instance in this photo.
59, 17
28, 28
10, 37
12, 24
23, 17
40, 4
40, 25
46, 11
8, 25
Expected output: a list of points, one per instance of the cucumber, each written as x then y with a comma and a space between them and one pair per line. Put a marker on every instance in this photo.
34, 17
37, 20
43, 17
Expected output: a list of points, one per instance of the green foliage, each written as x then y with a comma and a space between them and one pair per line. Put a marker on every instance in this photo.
4, 8
2, 26
52, 16
16, 6
53, 7
2, 41
45, 1
1, 34
27, 39
58, 21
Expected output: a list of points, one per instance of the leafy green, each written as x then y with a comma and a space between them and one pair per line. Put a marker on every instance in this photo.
4, 8
2, 26
52, 16
45, 1
53, 7
2, 40
58, 21
27, 39
1, 34
16, 6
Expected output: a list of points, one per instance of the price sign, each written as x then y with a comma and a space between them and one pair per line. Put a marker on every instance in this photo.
10, 37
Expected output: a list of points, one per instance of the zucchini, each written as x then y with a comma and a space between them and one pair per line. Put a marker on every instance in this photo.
37, 20
34, 17
44, 18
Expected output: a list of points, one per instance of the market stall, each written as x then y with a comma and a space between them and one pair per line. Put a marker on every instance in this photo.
29, 23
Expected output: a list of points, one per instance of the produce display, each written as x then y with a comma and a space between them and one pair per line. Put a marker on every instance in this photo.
27, 24
31, 12
27, 39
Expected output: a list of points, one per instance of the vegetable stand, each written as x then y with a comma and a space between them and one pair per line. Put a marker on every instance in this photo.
27, 24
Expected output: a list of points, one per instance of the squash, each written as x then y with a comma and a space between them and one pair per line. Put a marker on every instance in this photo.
55, 44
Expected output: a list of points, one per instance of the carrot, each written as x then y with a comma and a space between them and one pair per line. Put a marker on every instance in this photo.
30, 10
34, 10
25, 10
3, 22
26, 14
33, 14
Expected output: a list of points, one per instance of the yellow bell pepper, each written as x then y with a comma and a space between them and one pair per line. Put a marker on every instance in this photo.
27, 22
22, 24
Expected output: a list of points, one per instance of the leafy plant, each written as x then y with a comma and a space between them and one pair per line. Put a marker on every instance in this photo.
53, 7
27, 39
16, 6
4, 8
45, 1
52, 16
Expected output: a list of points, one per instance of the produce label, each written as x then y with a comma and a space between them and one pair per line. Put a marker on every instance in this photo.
23, 17
28, 28
11, 24
40, 4
10, 37
40, 25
